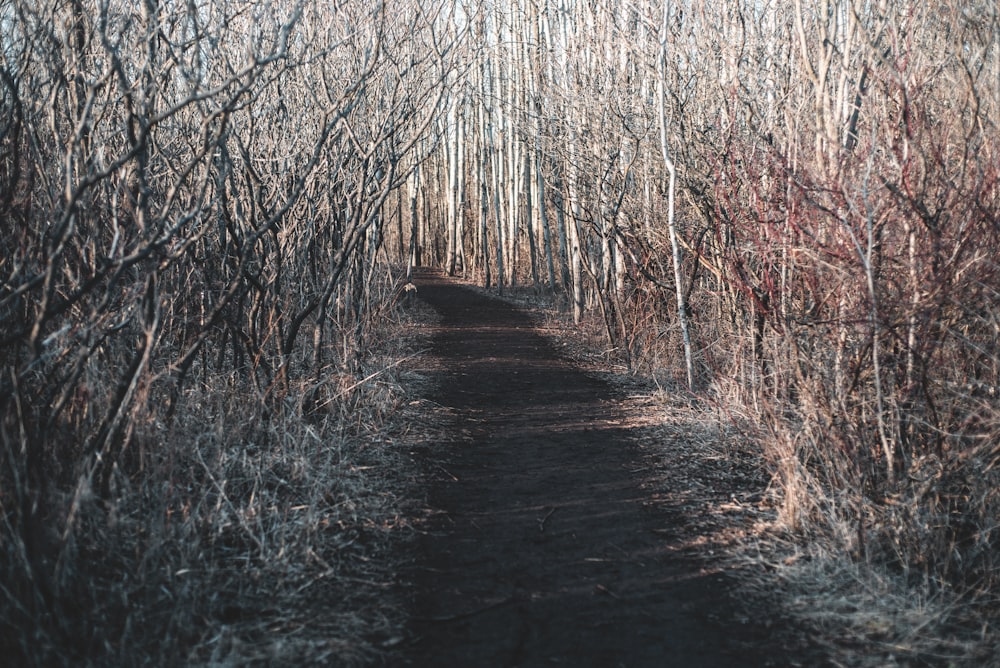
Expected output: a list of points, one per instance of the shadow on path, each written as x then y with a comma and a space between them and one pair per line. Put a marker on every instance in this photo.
543, 551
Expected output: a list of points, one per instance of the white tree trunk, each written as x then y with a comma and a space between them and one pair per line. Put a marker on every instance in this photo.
671, 225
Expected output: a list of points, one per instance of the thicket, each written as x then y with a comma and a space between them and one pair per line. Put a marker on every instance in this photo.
190, 304
201, 203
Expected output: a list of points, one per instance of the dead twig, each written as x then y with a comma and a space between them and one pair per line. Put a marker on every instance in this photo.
543, 520
370, 377
471, 613
448, 473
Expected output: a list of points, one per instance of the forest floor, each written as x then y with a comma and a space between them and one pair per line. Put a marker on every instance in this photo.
573, 514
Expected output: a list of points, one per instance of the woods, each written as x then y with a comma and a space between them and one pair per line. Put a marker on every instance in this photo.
788, 209
835, 169
193, 200
813, 187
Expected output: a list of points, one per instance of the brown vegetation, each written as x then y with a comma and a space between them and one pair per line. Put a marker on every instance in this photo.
836, 212
787, 208
196, 380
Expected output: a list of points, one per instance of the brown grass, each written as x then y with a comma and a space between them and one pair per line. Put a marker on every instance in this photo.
906, 580
242, 534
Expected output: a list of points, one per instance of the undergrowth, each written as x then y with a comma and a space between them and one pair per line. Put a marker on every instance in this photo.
239, 532
905, 578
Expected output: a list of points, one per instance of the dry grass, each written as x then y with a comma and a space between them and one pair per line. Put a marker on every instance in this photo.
243, 534
908, 580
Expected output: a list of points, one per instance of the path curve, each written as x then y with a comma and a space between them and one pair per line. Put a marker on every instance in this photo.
545, 549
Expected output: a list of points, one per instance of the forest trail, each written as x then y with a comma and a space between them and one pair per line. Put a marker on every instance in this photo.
546, 548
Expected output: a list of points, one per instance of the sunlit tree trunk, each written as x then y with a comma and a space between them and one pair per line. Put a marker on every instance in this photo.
671, 188
453, 139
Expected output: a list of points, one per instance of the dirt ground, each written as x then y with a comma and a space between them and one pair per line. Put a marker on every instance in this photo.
548, 543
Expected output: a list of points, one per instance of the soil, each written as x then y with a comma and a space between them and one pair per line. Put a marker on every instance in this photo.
547, 544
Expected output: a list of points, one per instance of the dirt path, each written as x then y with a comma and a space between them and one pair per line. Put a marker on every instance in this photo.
546, 550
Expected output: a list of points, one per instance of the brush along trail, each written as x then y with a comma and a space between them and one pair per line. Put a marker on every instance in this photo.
544, 546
